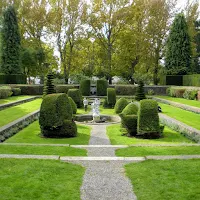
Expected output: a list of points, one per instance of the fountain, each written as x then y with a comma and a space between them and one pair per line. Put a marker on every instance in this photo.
95, 110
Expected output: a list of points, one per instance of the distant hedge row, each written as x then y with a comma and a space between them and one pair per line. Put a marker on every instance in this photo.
12, 79
181, 80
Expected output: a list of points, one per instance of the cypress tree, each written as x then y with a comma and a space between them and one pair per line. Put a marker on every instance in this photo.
140, 92
49, 87
11, 43
178, 48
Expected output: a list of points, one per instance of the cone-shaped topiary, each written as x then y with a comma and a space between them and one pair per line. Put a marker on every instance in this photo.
102, 87
140, 92
85, 87
130, 109
73, 105
111, 97
120, 105
49, 87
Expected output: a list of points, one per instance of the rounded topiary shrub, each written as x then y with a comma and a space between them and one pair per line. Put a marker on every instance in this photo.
102, 86
130, 123
120, 105
73, 105
55, 108
130, 109
76, 96
148, 119
111, 97
16, 91
85, 87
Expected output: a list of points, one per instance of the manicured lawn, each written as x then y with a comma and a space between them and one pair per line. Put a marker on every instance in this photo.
10, 114
187, 117
42, 150
146, 151
39, 179
13, 98
169, 136
165, 180
82, 111
31, 134
182, 100
107, 111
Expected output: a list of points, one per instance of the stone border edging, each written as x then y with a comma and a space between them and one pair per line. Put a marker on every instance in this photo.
30, 144
24, 156
188, 131
179, 157
7, 105
13, 127
179, 105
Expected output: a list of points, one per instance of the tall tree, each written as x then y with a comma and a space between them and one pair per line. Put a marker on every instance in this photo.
178, 47
11, 43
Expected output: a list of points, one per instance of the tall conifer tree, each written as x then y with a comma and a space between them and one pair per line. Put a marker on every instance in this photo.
178, 48
11, 43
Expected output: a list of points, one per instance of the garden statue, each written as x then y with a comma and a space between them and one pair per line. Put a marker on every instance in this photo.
95, 110
85, 103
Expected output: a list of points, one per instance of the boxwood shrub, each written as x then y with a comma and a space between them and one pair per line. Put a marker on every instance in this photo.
76, 96
148, 119
5, 91
102, 86
190, 94
64, 88
111, 97
175, 92
120, 105
73, 105
125, 89
85, 87
16, 91
130, 109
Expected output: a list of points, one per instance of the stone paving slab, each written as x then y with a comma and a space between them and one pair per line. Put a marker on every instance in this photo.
21, 156
30, 144
165, 145
100, 146
180, 157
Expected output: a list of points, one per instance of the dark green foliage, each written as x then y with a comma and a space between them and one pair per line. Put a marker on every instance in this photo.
73, 105
16, 91
148, 119
5, 91
125, 89
55, 109
85, 87
190, 94
31, 89
76, 96
64, 88
111, 97
191, 80
140, 92
12, 79
174, 80
105, 103
49, 87
130, 109
102, 86
120, 105
178, 48
11, 43
130, 123
175, 92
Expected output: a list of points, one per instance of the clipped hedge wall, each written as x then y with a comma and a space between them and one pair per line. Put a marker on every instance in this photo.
85, 87
73, 105
16, 91
148, 119
5, 91
76, 96
191, 80
102, 86
64, 88
13, 79
120, 105
130, 109
125, 89
171, 80
111, 97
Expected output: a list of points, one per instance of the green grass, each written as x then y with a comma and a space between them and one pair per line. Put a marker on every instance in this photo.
39, 179
146, 151
165, 180
107, 111
10, 114
182, 101
169, 136
31, 134
13, 98
187, 117
81, 111
42, 150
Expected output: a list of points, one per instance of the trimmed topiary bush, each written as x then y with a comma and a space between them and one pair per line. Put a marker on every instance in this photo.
111, 97
102, 86
190, 94
140, 92
130, 109
49, 87
73, 105
16, 91
76, 96
130, 123
5, 91
85, 87
55, 109
148, 119
120, 105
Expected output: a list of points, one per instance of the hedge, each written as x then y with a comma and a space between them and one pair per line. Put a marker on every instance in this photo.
148, 119
13, 79
16, 91
175, 92
120, 105
130, 109
5, 91
76, 96
111, 97
64, 88
73, 105
102, 86
125, 89
191, 80
85, 87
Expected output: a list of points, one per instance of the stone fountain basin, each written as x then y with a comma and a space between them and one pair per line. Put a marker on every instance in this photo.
105, 119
